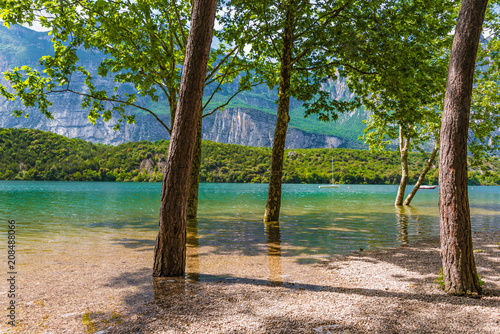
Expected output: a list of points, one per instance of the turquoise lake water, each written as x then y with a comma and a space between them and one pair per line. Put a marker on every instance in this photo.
313, 221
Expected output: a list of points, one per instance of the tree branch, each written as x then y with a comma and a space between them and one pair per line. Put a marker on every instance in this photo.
110, 100
227, 102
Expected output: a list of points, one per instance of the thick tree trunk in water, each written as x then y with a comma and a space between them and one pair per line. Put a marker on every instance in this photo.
170, 248
459, 268
404, 146
194, 181
422, 175
274, 193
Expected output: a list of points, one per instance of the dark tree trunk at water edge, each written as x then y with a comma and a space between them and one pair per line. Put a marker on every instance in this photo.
276, 173
459, 268
170, 248
404, 146
194, 182
421, 178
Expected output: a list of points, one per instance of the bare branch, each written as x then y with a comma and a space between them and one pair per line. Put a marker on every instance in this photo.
227, 102
216, 68
111, 100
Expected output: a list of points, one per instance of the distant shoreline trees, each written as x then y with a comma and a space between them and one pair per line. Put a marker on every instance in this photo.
27, 154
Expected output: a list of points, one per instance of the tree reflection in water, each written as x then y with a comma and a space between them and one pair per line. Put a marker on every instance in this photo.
273, 235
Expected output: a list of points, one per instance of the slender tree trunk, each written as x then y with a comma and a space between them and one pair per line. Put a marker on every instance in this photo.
172, 104
404, 146
170, 248
194, 181
274, 193
422, 175
459, 268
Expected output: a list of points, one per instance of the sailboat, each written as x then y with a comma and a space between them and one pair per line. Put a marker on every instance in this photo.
333, 185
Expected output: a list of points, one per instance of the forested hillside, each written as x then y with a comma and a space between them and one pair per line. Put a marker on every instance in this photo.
250, 115
27, 154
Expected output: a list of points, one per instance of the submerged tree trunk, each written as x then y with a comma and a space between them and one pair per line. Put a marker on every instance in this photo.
194, 181
170, 248
422, 175
276, 173
404, 146
459, 268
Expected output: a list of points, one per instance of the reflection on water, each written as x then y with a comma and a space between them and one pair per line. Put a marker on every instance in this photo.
192, 254
274, 252
402, 219
229, 233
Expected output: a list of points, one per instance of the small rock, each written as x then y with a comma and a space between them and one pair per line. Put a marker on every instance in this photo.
68, 314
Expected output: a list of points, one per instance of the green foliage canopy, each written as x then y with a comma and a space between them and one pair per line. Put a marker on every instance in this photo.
485, 110
139, 44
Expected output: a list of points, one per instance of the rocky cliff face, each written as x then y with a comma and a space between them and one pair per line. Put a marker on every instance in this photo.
245, 126
235, 126
255, 128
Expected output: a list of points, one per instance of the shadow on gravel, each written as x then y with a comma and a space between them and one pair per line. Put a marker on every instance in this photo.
178, 305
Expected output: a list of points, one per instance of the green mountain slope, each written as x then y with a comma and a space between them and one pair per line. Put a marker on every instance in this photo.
27, 154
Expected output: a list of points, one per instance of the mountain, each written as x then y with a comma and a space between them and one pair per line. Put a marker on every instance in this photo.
248, 120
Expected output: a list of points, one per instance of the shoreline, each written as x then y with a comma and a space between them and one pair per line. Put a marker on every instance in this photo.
86, 290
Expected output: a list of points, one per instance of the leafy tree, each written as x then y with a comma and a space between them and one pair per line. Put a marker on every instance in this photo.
398, 69
381, 46
170, 247
485, 112
140, 45
294, 41
459, 268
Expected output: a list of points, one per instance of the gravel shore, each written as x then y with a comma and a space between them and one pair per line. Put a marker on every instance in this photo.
95, 289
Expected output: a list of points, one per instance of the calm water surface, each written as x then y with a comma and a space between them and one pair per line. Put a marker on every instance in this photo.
313, 221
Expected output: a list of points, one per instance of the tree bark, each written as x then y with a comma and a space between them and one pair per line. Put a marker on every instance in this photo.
170, 248
421, 178
172, 104
273, 205
404, 146
194, 181
459, 268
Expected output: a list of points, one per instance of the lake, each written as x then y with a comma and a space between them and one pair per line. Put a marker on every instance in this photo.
314, 222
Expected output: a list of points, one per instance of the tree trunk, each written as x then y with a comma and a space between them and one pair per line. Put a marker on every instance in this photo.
404, 146
172, 104
459, 268
194, 181
170, 248
422, 175
274, 193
